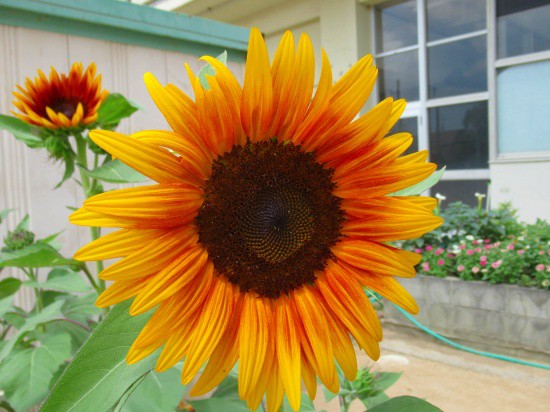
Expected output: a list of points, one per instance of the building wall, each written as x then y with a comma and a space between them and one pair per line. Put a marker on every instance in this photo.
27, 177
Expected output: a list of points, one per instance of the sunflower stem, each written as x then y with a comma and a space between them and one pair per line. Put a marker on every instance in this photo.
91, 278
88, 187
37, 291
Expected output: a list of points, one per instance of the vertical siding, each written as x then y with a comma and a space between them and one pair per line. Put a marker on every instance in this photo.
27, 177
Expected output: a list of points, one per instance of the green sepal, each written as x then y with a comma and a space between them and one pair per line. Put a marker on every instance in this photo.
114, 171
115, 108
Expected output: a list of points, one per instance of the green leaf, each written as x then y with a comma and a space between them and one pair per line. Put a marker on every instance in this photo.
8, 287
4, 214
115, 108
99, 375
158, 392
5, 306
208, 70
405, 404
372, 401
25, 376
22, 131
80, 308
383, 380
61, 280
115, 171
422, 186
49, 313
37, 255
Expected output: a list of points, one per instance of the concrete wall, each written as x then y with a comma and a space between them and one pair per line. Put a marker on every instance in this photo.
504, 315
27, 177
524, 183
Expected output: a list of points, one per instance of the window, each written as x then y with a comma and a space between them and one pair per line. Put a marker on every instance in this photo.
522, 27
397, 50
461, 190
523, 70
522, 91
447, 18
409, 125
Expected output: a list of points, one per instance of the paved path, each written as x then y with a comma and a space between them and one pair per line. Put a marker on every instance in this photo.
453, 380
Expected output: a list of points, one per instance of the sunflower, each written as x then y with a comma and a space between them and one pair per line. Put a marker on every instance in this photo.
63, 101
270, 215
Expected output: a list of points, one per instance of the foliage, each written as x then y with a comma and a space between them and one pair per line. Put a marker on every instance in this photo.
475, 244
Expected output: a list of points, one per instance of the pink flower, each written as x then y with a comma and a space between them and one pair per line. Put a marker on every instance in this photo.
475, 269
475, 242
478, 249
417, 250
462, 247
539, 267
541, 252
470, 252
483, 258
487, 247
460, 268
428, 248
439, 251
450, 255
440, 262
521, 252
496, 244
496, 265
487, 240
510, 246
425, 267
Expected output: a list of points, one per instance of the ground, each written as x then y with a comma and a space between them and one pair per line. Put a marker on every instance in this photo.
454, 380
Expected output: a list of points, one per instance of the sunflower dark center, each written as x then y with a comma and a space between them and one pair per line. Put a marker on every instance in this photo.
269, 217
66, 107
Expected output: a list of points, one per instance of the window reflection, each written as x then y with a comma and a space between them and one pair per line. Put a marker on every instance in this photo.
459, 136
458, 68
448, 18
461, 190
522, 27
398, 76
396, 26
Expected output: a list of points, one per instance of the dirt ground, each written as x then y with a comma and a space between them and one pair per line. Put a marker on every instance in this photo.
453, 380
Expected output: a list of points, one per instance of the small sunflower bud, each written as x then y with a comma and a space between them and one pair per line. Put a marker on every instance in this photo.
57, 146
18, 239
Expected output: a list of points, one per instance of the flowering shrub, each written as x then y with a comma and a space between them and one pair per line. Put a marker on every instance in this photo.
508, 253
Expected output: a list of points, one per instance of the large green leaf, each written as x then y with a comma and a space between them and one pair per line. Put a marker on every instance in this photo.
99, 375
422, 186
49, 313
22, 131
208, 70
8, 287
37, 255
405, 404
115, 108
116, 172
158, 392
25, 377
5, 306
80, 308
61, 280
383, 380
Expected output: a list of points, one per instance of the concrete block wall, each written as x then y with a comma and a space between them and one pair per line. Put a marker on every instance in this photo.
503, 315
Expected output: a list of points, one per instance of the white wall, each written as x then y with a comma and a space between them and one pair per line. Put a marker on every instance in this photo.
523, 183
27, 177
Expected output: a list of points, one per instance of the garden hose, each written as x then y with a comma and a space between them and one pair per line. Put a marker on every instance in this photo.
468, 349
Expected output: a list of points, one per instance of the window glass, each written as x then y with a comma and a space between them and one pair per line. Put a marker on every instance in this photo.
522, 27
409, 125
448, 18
458, 67
459, 136
461, 190
523, 102
396, 26
398, 76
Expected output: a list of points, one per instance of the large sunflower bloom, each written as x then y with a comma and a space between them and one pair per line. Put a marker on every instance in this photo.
62, 101
270, 215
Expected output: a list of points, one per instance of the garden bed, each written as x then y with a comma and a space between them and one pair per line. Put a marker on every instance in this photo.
505, 315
